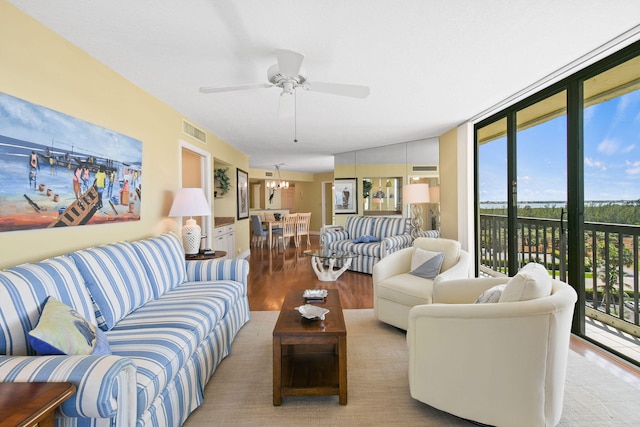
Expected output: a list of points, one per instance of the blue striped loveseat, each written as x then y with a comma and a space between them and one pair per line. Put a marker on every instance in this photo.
168, 324
391, 235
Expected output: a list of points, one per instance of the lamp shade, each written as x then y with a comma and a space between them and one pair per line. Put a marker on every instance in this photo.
190, 202
416, 193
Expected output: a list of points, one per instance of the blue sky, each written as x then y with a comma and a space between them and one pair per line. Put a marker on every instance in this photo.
611, 151
33, 123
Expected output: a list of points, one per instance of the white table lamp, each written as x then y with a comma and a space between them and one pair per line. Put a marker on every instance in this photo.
190, 202
415, 194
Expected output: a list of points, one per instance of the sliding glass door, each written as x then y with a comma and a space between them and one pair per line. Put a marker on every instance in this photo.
558, 182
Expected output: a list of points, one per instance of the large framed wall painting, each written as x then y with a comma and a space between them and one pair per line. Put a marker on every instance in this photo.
242, 180
60, 171
345, 196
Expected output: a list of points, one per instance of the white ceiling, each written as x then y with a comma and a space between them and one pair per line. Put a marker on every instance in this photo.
430, 64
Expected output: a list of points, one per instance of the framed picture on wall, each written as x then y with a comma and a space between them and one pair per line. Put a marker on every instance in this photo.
242, 180
345, 199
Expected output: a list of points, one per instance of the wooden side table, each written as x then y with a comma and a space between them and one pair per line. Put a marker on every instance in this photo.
30, 404
202, 257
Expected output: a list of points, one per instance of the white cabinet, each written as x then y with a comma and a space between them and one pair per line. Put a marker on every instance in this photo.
224, 239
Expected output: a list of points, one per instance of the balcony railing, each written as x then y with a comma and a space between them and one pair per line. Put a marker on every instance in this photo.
611, 261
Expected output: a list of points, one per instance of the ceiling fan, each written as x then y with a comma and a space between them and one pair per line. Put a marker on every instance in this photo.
289, 75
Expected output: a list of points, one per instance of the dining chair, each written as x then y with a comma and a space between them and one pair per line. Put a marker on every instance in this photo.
258, 233
289, 228
302, 228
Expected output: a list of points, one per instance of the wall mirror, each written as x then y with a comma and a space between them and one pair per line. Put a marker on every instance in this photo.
382, 196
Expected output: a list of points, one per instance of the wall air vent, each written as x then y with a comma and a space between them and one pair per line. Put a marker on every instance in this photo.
193, 131
424, 168
268, 174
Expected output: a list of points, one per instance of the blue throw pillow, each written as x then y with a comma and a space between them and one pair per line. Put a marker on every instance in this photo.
62, 330
365, 239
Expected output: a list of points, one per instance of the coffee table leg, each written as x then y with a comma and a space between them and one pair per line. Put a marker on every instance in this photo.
342, 369
277, 372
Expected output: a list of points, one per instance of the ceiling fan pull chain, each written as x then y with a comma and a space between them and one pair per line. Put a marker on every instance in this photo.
295, 117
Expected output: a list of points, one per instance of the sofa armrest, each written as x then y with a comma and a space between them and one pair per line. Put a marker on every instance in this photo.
392, 244
105, 385
459, 270
463, 291
218, 269
396, 263
333, 236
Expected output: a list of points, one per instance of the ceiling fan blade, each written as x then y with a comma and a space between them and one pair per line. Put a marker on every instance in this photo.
233, 88
289, 62
353, 91
286, 107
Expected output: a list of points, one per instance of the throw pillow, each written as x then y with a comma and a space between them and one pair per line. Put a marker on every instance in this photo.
62, 330
430, 268
491, 295
531, 282
420, 256
365, 239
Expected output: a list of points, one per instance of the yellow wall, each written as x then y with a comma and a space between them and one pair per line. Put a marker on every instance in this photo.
39, 66
308, 198
449, 184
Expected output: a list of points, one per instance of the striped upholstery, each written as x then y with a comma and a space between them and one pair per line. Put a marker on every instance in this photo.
196, 306
393, 234
176, 402
116, 279
359, 226
62, 278
23, 292
159, 354
163, 260
429, 233
387, 227
165, 350
218, 269
100, 380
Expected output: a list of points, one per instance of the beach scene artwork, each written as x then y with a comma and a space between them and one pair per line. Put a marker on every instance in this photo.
60, 171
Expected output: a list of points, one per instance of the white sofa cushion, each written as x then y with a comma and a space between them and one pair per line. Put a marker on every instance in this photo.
531, 282
406, 289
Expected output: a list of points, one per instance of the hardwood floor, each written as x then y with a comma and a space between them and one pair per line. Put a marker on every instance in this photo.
273, 272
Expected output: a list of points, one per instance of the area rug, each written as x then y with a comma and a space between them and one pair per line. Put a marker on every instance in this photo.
240, 391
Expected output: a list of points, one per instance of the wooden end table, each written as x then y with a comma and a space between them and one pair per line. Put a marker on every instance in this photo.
310, 356
203, 257
30, 404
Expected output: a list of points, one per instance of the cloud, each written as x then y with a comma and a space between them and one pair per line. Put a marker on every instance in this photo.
609, 146
594, 164
633, 168
628, 148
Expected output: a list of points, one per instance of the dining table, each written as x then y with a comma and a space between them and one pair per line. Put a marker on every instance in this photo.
271, 224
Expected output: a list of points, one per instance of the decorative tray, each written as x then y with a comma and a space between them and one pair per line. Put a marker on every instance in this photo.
315, 294
312, 311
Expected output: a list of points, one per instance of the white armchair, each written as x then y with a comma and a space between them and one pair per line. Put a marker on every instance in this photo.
502, 364
395, 290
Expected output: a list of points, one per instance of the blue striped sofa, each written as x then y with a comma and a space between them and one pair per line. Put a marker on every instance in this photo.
392, 234
169, 323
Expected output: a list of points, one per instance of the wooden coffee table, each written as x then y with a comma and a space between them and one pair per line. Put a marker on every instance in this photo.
28, 404
310, 356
